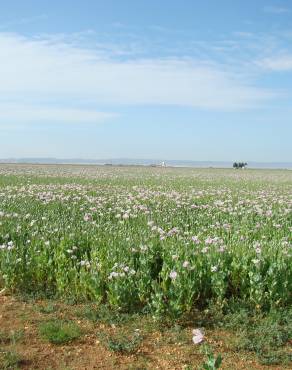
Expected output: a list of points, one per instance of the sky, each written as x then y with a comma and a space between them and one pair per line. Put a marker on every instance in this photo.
203, 80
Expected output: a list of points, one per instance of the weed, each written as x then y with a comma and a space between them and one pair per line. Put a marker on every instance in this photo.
105, 314
212, 362
120, 342
9, 360
59, 331
266, 335
11, 337
48, 308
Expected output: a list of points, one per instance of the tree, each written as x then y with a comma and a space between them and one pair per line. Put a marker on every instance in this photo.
239, 164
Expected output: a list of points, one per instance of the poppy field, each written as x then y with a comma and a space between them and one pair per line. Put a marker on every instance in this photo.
160, 240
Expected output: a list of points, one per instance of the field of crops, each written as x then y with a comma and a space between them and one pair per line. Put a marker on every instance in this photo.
164, 240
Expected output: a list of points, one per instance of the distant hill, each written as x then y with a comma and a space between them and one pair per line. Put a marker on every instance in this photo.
146, 162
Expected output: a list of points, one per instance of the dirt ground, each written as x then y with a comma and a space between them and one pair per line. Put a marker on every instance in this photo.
157, 350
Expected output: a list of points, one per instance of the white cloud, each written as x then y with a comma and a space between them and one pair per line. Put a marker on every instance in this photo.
48, 68
277, 63
36, 113
276, 9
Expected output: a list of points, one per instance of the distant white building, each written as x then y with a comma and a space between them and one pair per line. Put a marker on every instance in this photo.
163, 164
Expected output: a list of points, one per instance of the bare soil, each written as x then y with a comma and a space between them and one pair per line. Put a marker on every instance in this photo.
157, 350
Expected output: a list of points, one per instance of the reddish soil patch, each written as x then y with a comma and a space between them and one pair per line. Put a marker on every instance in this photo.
156, 351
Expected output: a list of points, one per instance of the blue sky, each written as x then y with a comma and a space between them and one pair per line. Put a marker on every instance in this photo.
198, 80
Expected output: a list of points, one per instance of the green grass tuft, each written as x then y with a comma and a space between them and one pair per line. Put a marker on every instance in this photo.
59, 331
9, 360
121, 342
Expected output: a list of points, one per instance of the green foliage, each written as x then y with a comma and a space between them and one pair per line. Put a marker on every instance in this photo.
59, 331
141, 239
48, 308
267, 335
212, 362
9, 360
121, 342
105, 314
